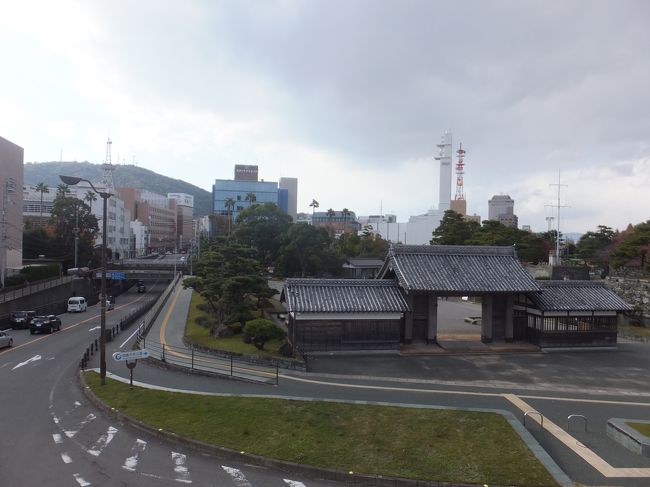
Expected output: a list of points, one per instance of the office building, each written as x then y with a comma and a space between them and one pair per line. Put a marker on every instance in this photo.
184, 214
11, 225
501, 208
291, 187
245, 172
157, 213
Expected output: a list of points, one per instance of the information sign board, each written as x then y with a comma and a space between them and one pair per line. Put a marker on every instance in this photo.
130, 355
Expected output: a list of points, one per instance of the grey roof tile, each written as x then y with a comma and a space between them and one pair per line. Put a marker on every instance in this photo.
458, 269
343, 296
578, 296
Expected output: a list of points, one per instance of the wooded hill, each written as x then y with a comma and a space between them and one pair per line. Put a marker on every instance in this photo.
124, 176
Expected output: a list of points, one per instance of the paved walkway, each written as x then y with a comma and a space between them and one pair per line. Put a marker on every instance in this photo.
169, 328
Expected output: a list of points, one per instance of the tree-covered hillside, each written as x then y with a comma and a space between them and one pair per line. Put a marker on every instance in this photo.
123, 176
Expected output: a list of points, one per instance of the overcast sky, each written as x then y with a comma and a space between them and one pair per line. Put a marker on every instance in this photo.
350, 97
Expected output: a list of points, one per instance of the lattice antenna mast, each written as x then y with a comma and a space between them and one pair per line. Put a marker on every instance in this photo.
108, 169
460, 171
557, 221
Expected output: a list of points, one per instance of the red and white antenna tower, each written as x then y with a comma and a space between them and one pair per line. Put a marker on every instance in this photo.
108, 168
460, 170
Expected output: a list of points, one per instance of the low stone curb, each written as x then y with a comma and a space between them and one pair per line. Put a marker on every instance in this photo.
350, 478
619, 431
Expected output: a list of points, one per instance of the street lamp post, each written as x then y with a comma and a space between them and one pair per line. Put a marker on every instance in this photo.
71, 181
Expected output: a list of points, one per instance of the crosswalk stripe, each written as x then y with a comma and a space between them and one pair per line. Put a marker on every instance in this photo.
237, 476
58, 439
103, 442
131, 462
80, 480
182, 473
84, 422
293, 483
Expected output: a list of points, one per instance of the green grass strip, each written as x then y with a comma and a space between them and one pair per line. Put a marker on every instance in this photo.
426, 444
200, 335
643, 428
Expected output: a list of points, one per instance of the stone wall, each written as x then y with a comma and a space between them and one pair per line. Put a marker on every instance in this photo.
635, 291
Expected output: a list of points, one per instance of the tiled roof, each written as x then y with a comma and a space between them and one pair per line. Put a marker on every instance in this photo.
343, 296
458, 269
360, 262
578, 296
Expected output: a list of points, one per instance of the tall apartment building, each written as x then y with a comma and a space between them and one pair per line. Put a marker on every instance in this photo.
501, 207
184, 215
11, 225
157, 213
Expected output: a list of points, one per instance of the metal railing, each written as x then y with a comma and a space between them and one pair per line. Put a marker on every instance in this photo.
197, 361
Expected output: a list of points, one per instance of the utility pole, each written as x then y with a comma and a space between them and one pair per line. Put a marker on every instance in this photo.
76, 236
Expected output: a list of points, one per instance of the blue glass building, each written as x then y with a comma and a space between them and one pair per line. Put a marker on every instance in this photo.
264, 191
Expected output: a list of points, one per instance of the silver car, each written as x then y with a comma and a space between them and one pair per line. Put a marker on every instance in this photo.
5, 339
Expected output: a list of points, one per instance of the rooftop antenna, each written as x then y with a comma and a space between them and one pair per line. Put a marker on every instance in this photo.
558, 206
460, 170
108, 169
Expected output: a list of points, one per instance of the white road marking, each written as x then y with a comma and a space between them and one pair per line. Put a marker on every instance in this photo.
77, 403
33, 359
84, 422
95, 328
130, 336
131, 462
293, 483
103, 442
182, 473
58, 439
80, 480
66, 458
589, 456
55, 419
237, 476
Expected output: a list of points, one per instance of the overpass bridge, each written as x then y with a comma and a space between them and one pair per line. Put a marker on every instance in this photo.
143, 269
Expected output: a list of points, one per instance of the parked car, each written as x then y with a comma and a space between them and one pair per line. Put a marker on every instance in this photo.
43, 324
21, 319
5, 339
77, 304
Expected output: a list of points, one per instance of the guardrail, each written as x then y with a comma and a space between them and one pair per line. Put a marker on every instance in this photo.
198, 361
183, 357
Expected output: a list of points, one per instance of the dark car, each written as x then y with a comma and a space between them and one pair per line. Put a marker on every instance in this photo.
45, 324
21, 319
140, 287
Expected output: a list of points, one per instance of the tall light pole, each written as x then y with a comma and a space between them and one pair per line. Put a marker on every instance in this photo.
71, 181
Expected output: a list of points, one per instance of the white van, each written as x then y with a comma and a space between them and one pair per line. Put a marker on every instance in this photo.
77, 305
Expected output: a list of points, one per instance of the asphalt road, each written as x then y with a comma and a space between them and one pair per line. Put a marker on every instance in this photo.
51, 435
599, 384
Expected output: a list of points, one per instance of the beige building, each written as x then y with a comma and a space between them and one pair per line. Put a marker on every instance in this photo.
156, 212
184, 215
11, 225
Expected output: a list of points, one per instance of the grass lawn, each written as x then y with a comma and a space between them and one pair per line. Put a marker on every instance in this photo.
440, 445
643, 428
200, 335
